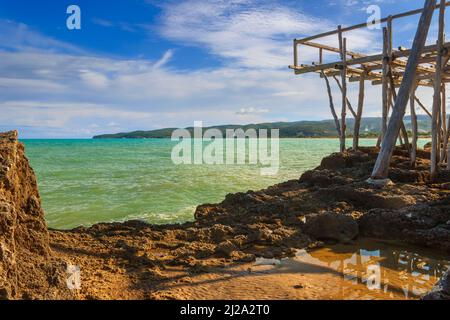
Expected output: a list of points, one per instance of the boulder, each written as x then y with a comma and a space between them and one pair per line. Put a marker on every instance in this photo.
331, 226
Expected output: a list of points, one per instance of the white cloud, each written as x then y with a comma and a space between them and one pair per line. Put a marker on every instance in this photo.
252, 110
164, 59
48, 88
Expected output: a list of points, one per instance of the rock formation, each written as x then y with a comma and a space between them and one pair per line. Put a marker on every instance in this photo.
27, 269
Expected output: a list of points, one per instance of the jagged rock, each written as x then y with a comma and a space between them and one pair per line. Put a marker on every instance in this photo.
323, 178
27, 268
226, 249
331, 226
344, 160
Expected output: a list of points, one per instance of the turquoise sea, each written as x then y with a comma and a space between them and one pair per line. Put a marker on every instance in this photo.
83, 182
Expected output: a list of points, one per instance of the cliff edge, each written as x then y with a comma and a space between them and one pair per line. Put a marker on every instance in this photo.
27, 268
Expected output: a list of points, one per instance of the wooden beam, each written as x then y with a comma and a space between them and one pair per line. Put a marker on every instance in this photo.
380, 171
362, 60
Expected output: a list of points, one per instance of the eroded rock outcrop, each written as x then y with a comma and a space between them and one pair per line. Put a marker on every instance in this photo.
27, 269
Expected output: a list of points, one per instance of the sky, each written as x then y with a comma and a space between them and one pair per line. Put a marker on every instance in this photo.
148, 64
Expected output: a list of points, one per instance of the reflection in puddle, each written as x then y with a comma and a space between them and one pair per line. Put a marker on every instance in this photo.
367, 270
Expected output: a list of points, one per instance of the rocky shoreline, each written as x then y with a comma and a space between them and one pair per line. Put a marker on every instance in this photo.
135, 260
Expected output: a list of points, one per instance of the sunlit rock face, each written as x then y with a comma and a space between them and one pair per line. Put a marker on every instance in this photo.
27, 269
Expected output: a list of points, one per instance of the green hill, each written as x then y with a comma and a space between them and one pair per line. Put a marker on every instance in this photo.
370, 127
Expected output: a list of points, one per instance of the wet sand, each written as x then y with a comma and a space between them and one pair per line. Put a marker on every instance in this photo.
368, 269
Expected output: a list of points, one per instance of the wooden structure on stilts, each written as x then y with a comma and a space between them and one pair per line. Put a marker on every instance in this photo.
403, 69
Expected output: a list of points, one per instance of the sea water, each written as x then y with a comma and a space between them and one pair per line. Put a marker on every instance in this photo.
83, 182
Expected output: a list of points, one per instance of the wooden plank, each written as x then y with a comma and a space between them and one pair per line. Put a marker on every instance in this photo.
362, 60
381, 167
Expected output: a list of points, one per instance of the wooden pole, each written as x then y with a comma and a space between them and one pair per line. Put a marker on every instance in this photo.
333, 110
414, 128
358, 114
295, 53
381, 168
423, 107
435, 131
343, 49
443, 120
349, 105
402, 128
444, 123
385, 83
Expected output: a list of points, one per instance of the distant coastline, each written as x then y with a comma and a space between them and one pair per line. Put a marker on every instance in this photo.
370, 128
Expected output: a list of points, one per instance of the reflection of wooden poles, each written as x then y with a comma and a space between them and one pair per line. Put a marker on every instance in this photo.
435, 130
381, 168
414, 128
358, 114
333, 110
343, 50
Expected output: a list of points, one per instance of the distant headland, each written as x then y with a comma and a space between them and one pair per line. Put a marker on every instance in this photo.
370, 127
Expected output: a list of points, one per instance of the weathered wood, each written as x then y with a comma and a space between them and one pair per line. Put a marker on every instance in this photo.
343, 48
422, 106
403, 127
332, 108
363, 25
362, 60
349, 105
385, 84
358, 114
414, 127
435, 145
295, 52
381, 167
444, 139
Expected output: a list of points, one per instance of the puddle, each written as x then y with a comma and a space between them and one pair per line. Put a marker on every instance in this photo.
365, 270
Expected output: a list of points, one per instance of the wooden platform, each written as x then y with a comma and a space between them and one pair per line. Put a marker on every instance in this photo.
402, 68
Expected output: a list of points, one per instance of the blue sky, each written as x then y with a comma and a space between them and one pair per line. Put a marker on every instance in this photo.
146, 64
